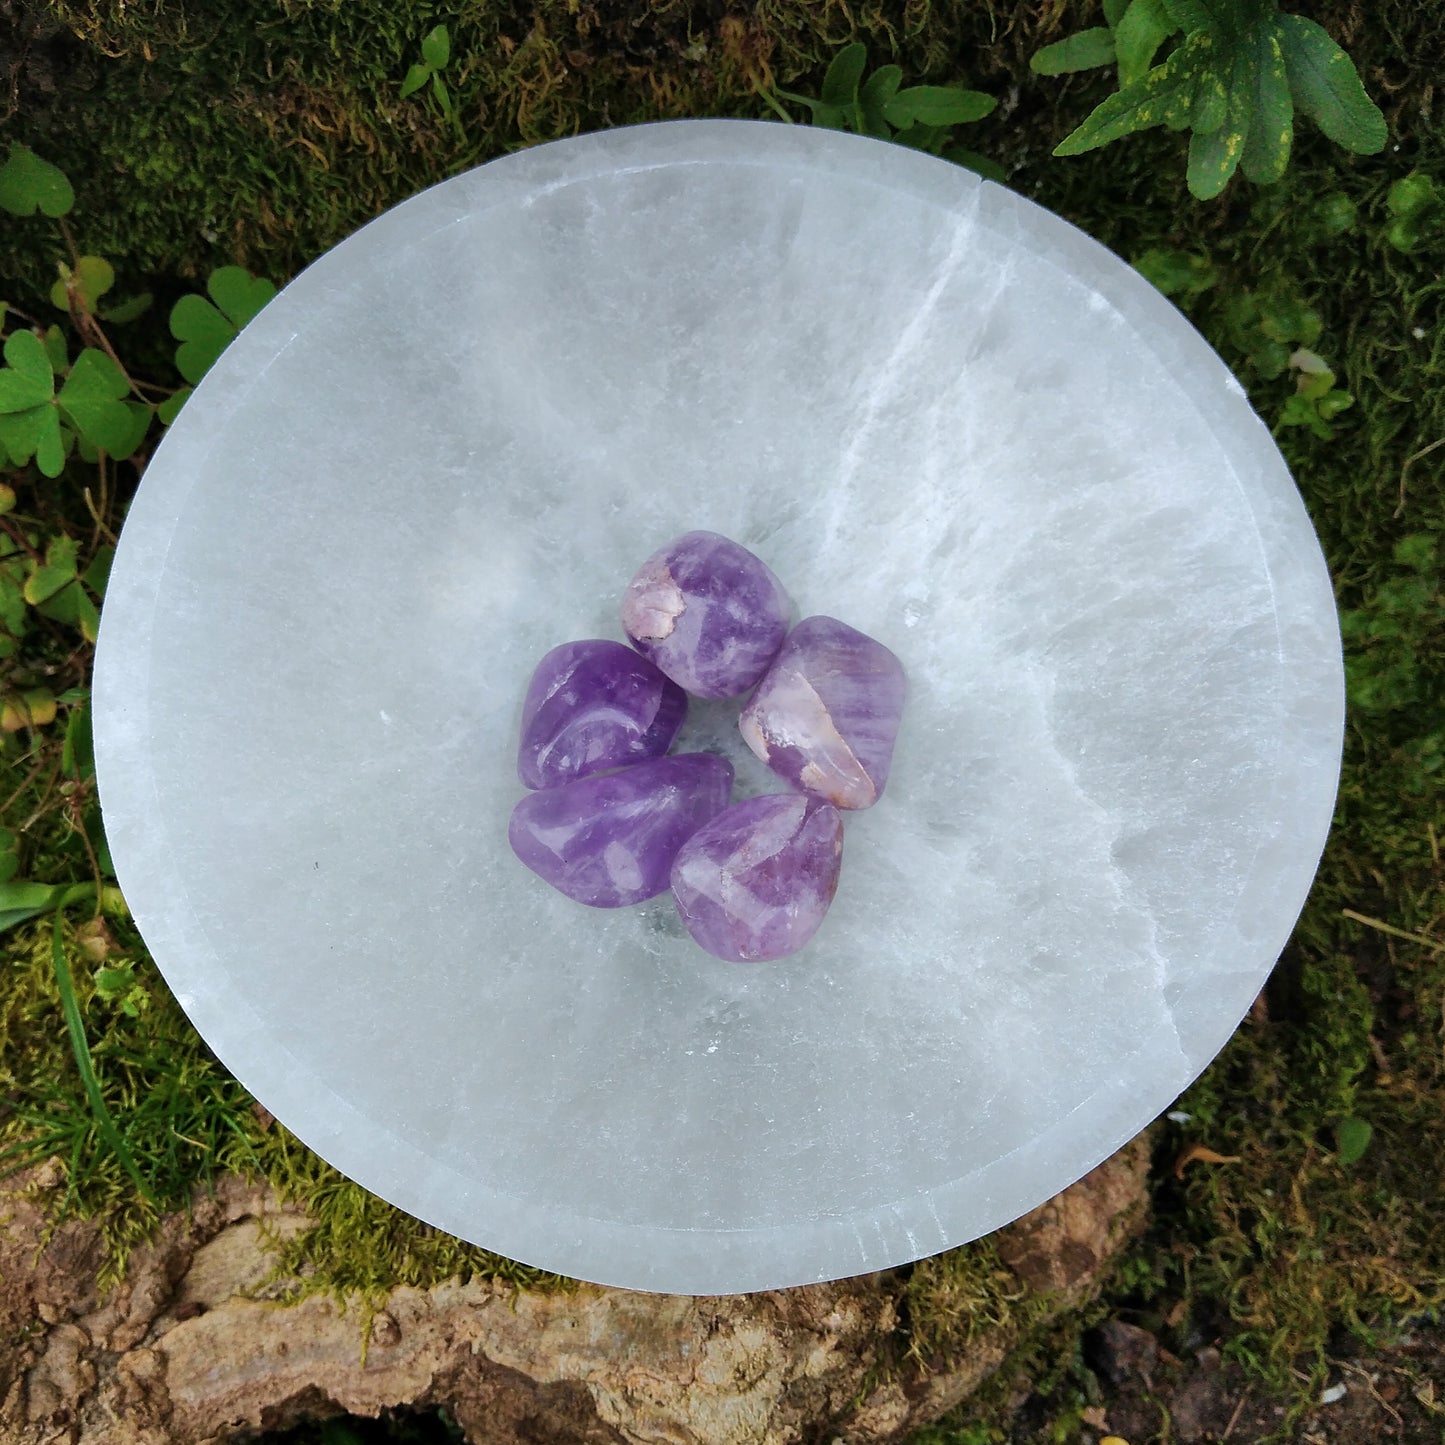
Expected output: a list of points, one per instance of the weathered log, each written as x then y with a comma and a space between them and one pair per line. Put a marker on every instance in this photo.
183, 1351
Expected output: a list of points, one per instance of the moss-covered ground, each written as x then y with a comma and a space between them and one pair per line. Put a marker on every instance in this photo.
264, 131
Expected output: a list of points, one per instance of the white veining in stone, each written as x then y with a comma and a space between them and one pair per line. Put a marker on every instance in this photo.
939, 414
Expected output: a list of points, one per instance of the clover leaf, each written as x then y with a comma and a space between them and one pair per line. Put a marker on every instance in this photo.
56, 349
55, 573
29, 422
170, 408
91, 401
87, 281
33, 708
29, 184
28, 379
205, 330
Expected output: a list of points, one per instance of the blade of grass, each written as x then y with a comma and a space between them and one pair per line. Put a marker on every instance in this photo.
82, 1061
1394, 932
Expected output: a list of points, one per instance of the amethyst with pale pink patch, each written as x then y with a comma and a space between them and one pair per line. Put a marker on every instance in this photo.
826, 715
708, 612
755, 883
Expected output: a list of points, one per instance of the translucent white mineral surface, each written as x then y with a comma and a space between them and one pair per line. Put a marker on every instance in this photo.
938, 412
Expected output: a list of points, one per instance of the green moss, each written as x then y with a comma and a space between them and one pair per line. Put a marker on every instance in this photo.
1045, 1361
178, 1112
361, 1248
186, 1121
952, 1298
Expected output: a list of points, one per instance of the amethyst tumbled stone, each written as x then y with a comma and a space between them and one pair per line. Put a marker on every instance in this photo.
826, 715
710, 614
592, 706
610, 840
755, 882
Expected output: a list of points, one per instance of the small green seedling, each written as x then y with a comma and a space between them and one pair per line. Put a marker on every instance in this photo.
1274, 333
919, 116
1237, 73
436, 53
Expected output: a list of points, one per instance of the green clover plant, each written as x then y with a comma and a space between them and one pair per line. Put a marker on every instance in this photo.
206, 328
919, 116
1237, 73
65, 399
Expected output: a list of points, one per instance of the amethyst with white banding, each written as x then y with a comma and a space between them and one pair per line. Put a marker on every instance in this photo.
610, 840
755, 883
592, 706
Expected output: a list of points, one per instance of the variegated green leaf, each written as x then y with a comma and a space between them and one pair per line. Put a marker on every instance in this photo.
1164, 96
1271, 127
1326, 86
1190, 16
1215, 155
1211, 104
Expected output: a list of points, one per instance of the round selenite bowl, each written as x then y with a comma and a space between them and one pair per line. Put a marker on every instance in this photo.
940, 414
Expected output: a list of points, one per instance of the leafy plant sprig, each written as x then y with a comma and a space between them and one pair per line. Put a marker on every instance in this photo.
1238, 72
51, 405
1272, 331
57, 407
1389, 639
436, 54
1418, 207
919, 116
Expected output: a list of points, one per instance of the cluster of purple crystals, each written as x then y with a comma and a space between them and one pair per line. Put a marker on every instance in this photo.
614, 821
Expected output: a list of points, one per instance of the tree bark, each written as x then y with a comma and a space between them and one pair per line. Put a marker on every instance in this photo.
182, 1352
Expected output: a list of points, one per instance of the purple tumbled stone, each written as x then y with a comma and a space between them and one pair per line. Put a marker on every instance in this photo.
592, 706
755, 883
609, 840
826, 715
708, 613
